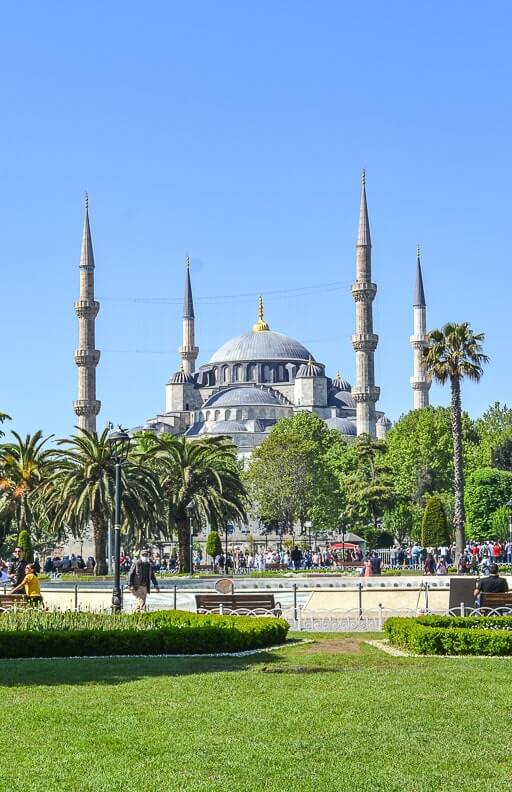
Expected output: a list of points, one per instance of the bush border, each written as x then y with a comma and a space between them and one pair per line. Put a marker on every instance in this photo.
452, 635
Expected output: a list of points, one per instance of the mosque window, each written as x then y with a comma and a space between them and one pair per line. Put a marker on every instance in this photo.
238, 373
251, 372
225, 374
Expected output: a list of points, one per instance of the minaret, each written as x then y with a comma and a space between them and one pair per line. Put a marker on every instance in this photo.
364, 340
420, 382
188, 350
86, 406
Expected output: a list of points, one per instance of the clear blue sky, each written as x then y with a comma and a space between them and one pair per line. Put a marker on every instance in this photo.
235, 132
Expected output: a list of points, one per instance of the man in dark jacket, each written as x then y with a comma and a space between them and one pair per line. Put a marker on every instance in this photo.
140, 578
17, 567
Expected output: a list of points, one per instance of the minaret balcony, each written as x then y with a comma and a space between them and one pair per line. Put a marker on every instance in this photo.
87, 357
364, 291
86, 407
365, 342
189, 352
367, 393
420, 384
418, 342
87, 309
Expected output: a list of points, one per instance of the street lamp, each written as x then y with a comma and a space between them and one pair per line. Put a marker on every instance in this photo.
120, 440
509, 507
190, 508
308, 524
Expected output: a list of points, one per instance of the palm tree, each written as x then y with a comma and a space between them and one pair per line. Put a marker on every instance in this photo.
452, 354
3, 417
201, 476
82, 490
24, 467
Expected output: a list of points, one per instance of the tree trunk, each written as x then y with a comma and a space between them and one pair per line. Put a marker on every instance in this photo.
459, 516
100, 537
183, 544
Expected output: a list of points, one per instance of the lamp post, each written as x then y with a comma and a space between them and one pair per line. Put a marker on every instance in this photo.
308, 524
509, 507
120, 440
190, 508
343, 541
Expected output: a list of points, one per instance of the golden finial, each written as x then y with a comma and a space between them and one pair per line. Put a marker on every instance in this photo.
338, 375
261, 323
187, 262
363, 177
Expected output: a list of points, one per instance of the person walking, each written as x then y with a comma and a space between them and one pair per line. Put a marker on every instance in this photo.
140, 578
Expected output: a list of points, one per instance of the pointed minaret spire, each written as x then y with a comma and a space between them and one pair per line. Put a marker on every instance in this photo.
363, 231
364, 340
420, 382
419, 293
188, 350
86, 407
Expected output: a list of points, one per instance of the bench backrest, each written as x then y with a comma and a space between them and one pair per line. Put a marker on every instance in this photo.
496, 599
235, 601
8, 601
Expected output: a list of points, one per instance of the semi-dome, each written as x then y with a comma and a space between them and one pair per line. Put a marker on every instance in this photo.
384, 421
226, 427
239, 397
341, 384
181, 378
343, 425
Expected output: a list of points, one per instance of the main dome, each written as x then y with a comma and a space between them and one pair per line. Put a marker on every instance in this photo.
260, 345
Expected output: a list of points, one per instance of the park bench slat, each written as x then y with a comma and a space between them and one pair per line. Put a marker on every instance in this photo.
250, 602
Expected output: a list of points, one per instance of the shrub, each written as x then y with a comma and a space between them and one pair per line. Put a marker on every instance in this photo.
26, 545
213, 544
454, 635
58, 634
434, 526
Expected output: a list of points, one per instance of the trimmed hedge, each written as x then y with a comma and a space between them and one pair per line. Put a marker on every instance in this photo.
67, 634
453, 635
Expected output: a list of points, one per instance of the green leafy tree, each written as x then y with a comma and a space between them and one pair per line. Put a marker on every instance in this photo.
420, 451
26, 545
3, 417
81, 490
202, 475
501, 456
434, 525
493, 429
452, 355
213, 544
293, 474
500, 523
370, 489
403, 521
487, 490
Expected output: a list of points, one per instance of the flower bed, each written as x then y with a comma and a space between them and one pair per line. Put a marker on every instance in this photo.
452, 635
67, 634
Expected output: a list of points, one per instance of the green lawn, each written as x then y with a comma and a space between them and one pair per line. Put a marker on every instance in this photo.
333, 715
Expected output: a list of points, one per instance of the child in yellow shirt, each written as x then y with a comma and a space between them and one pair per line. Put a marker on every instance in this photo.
31, 585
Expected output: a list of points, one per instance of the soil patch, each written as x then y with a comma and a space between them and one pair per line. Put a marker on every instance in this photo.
336, 646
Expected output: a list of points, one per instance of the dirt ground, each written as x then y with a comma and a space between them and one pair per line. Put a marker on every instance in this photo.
342, 645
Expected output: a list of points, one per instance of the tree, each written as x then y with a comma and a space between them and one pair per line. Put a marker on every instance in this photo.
452, 355
434, 525
494, 430
420, 451
82, 490
293, 475
501, 456
25, 465
26, 545
487, 490
500, 523
203, 475
3, 417
403, 521
370, 489
213, 544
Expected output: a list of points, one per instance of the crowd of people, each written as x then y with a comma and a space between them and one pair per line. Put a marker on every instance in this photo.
475, 559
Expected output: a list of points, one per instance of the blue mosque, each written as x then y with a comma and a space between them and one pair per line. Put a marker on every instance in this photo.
256, 378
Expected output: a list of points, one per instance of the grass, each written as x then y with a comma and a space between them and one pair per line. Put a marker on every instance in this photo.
334, 715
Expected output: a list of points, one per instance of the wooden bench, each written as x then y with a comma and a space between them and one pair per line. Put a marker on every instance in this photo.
495, 600
276, 567
253, 604
11, 601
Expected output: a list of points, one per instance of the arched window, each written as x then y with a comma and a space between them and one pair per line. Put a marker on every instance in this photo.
267, 373
237, 373
225, 374
251, 372
227, 415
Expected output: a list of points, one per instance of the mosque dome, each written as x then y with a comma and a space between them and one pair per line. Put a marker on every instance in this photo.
227, 427
260, 343
384, 421
309, 369
181, 378
341, 384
